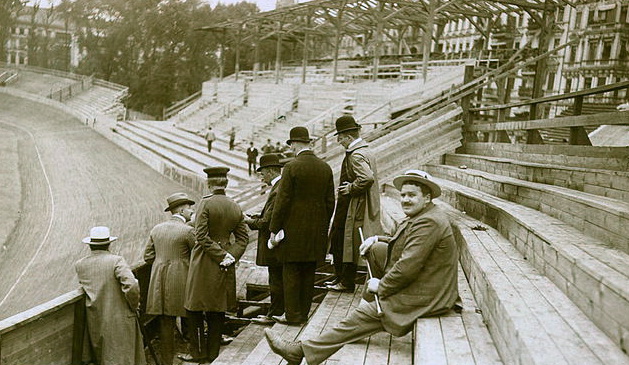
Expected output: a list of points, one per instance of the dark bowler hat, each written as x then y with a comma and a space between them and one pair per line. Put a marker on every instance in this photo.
269, 160
176, 200
99, 236
220, 171
346, 123
299, 134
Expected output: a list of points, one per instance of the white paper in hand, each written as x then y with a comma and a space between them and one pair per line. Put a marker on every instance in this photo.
279, 236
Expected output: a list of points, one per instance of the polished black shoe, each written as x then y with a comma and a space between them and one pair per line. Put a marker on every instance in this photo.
289, 350
334, 281
188, 358
341, 288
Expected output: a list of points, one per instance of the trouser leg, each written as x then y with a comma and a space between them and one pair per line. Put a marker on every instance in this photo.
336, 249
276, 287
349, 274
215, 322
198, 343
167, 338
249, 163
361, 322
292, 290
307, 288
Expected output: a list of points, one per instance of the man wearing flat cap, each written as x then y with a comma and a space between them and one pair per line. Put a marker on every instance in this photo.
302, 211
112, 297
211, 284
168, 250
270, 168
357, 205
415, 275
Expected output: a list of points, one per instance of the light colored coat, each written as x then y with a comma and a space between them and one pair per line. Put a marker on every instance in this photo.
168, 250
112, 297
209, 288
364, 206
420, 277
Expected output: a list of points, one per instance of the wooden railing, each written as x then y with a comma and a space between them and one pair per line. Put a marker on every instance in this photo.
180, 105
497, 131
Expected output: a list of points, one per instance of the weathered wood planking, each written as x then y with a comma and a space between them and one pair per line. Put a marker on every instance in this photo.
571, 121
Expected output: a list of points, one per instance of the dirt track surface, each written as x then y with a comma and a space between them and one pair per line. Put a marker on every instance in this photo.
72, 179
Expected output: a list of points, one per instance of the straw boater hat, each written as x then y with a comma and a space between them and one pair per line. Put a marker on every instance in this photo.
346, 123
269, 160
421, 177
176, 200
219, 171
99, 236
299, 134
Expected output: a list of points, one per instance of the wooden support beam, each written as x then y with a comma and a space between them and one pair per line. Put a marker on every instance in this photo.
304, 61
78, 332
433, 5
278, 53
468, 76
376, 40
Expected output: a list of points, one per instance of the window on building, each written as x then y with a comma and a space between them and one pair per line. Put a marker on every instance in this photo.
605, 16
550, 84
601, 81
607, 50
587, 83
623, 14
560, 11
590, 17
573, 54
592, 50
578, 21
568, 86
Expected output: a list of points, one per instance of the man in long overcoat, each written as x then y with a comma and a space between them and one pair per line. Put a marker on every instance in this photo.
303, 208
211, 284
168, 250
417, 267
358, 204
112, 299
270, 168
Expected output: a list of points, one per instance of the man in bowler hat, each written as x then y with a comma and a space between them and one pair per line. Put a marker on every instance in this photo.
302, 211
168, 250
112, 298
270, 168
357, 206
415, 275
211, 284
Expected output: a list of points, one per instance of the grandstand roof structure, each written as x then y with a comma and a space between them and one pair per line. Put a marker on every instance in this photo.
335, 18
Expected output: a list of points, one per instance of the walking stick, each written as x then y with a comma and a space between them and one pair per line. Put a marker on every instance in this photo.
147, 340
378, 307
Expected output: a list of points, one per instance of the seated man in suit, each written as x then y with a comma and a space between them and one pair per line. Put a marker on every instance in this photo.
417, 270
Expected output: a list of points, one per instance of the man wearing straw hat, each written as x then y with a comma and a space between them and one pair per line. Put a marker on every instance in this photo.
415, 275
270, 168
211, 283
168, 250
357, 205
302, 211
112, 297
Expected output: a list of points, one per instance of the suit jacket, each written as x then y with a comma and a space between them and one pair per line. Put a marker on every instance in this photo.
112, 297
264, 256
421, 273
209, 288
168, 249
364, 206
303, 208
252, 154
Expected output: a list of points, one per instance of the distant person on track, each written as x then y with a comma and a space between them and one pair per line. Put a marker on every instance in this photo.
211, 284
210, 137
268, 147
415, 275
232, 138
302, 211
357, 204
112, 300
168, 250
270, 168
252, 157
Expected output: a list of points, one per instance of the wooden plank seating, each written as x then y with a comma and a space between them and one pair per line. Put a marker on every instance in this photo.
608, 183
531, 320
604, 218
593, 276
610, 158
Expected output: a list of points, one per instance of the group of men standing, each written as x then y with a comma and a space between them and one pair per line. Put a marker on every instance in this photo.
193, 272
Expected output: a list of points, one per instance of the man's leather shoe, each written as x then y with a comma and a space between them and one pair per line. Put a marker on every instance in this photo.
262, 319
340, 287
226, 340
282, 319
334, 281
188, 358
289, 350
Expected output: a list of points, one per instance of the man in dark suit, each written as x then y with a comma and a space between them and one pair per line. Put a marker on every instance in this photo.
303, 208
415, 275
252, 157
168, 250
211, 283
270, 169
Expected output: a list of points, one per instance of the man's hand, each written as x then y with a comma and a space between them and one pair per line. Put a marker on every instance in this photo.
372, 285
344, 188
248, 220
366, 245
227, 260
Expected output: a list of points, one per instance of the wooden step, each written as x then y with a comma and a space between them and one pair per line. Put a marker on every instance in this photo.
594, 277
608, 183
604, 218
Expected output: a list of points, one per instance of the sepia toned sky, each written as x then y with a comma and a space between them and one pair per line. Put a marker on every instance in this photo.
264, 5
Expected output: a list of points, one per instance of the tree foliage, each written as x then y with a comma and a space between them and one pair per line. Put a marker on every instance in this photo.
151, 46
